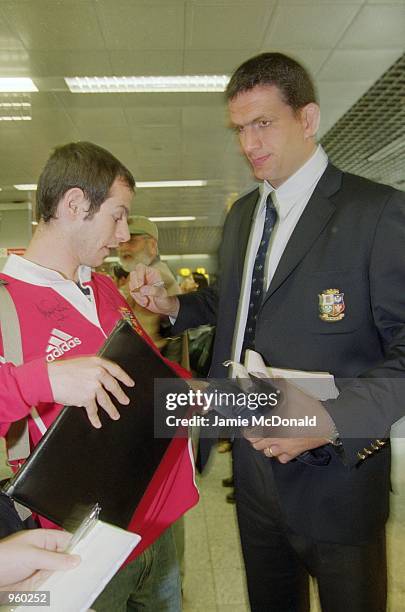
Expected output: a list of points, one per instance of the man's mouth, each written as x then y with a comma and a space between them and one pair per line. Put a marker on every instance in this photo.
259, 161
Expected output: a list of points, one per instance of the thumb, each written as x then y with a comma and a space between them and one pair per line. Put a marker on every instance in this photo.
48, 560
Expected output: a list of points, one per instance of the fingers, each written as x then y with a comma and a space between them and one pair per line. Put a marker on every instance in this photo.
143, 275
114, 388
92, 413
117, 372
49, 560
105, 402
51, 539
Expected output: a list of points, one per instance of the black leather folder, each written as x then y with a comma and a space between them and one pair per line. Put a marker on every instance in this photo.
75, 465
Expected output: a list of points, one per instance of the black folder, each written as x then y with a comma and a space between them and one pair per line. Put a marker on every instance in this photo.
75, 465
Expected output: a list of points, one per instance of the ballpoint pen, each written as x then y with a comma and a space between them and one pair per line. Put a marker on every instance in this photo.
156, 284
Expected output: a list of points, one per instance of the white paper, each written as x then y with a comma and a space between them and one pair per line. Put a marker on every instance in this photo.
320, 385
102, 552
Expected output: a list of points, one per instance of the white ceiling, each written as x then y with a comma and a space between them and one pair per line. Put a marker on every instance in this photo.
347, 45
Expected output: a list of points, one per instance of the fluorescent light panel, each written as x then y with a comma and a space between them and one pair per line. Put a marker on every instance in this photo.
15, 118
188, 256
26, 187
147, 84
15, 104
147, 184
157, 219
16, 84
32, 187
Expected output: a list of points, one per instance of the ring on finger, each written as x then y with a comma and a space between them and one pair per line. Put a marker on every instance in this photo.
268, 452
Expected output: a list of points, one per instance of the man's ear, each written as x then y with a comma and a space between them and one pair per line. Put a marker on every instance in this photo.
310, 117
74, 203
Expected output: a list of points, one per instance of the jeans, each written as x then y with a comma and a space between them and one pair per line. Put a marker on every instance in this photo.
150, 583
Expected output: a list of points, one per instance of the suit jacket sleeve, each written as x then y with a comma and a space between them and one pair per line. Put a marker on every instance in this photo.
197, 308
371, 403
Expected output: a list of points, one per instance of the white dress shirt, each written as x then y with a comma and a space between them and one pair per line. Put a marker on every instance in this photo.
290, 200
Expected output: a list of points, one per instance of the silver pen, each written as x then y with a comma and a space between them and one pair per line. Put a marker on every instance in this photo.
85, 526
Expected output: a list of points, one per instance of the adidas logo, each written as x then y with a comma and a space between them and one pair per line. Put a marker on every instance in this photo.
60, 343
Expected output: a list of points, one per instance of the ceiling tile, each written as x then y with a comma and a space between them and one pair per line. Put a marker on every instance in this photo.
201, 117
100, 117
149, 62
313, 26
224, 26
156, 140
359, 64
150, 117
129, 25
99, 133
376, 27
8, 40
70, 63
208, 61
15, 62
55, 24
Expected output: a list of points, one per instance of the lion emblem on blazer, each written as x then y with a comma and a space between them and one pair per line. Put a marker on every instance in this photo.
331, 305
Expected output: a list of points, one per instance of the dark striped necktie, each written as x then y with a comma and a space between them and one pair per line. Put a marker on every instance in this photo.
257, 286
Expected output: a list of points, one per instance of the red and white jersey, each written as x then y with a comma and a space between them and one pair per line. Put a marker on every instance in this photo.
58, 320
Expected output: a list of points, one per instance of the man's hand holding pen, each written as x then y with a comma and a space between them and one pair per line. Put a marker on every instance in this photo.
146, 287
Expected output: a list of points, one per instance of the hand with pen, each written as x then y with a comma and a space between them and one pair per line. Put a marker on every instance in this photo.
146, 287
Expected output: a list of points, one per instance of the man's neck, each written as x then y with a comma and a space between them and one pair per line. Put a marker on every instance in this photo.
305, 158
50, 249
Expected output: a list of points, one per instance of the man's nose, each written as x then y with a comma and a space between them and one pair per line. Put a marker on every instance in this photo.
123, 234
250, 140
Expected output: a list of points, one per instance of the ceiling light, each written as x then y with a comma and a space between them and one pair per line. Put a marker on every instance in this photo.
34, 222
157, 219
15, 105
389, 149
146, 184
15, 118
188, 256
16, 84
26, 187
125, 84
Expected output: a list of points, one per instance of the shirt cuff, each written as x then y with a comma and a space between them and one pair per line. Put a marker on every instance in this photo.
33, 381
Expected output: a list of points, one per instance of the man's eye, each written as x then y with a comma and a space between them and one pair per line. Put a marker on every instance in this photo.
264, 123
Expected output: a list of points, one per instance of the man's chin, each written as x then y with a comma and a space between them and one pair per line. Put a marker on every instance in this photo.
128, 265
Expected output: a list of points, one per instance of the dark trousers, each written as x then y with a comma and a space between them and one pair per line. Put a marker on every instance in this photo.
279, 562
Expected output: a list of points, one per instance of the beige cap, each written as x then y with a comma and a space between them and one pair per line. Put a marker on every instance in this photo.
142, 225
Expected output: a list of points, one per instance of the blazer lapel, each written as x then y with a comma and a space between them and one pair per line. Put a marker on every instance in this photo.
245, 227
311, 223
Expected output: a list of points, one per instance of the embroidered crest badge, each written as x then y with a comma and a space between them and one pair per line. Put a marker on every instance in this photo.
331, 305
128, 315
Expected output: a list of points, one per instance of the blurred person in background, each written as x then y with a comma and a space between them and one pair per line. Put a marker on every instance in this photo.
120, 277
142, 247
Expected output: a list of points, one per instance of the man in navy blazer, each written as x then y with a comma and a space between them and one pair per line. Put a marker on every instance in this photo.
332, 298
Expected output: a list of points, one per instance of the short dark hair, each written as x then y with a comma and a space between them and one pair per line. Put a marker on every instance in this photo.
292, 79
79, 164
